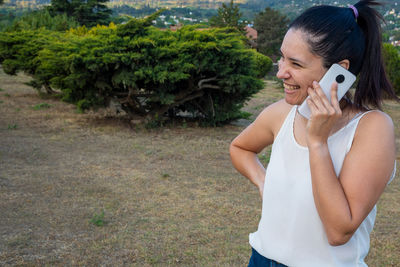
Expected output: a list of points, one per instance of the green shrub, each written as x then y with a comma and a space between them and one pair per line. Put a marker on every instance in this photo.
19, 51
391, 59
263, 65
155, 74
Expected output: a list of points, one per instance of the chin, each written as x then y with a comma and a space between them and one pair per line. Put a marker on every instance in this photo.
292, 101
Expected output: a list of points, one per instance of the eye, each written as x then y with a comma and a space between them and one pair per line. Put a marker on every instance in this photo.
297, 65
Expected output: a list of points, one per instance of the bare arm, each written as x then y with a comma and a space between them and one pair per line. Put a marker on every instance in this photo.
245, 147
344, 202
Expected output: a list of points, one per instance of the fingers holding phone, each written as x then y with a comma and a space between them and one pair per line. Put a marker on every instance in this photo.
324, 114
319, 102
336, 74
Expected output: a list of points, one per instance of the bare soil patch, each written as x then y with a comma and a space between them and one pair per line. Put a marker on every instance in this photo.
168, 196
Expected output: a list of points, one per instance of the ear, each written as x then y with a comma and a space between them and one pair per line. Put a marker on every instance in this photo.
345, 63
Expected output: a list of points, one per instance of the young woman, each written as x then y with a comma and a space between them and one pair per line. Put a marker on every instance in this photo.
327, 173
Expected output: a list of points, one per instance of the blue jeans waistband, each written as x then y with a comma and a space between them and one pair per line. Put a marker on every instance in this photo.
257, 260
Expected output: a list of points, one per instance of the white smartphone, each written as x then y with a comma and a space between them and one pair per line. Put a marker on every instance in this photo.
344, 79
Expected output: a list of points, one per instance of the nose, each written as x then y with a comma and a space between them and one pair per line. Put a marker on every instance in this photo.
282, 70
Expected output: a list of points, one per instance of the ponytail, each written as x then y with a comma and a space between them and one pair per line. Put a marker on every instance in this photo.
372, 78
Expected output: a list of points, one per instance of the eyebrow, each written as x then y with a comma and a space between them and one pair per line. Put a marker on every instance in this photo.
297, 61
293, 59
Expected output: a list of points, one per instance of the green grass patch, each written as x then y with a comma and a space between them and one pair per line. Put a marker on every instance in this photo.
165, 175
12, 126
41, 106
98, 219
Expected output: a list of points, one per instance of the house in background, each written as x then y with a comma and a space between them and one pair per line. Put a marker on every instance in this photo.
251, 34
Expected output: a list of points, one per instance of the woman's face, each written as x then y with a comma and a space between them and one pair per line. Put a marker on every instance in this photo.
298, 67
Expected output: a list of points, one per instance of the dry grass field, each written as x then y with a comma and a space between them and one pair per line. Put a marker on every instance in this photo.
93, 190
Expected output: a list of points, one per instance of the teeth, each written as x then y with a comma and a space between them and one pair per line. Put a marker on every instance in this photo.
290, 87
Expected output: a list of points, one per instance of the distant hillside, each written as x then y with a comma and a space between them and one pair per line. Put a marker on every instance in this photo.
203, 9
287, 6
26, 3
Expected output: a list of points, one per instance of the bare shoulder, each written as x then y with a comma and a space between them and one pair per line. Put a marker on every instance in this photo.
375, 124
273, 116
374, 142
262, 131
278, 107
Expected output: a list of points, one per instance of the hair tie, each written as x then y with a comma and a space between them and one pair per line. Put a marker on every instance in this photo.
355, 11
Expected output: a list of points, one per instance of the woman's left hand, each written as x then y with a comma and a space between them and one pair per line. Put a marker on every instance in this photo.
324, 115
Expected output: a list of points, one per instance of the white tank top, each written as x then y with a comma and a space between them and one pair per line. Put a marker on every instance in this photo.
290, 230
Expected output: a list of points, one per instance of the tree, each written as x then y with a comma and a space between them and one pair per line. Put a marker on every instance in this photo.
271, 27
228, 16
86, 12
43, 19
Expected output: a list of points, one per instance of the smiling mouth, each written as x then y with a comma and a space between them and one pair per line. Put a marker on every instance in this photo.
290, 87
